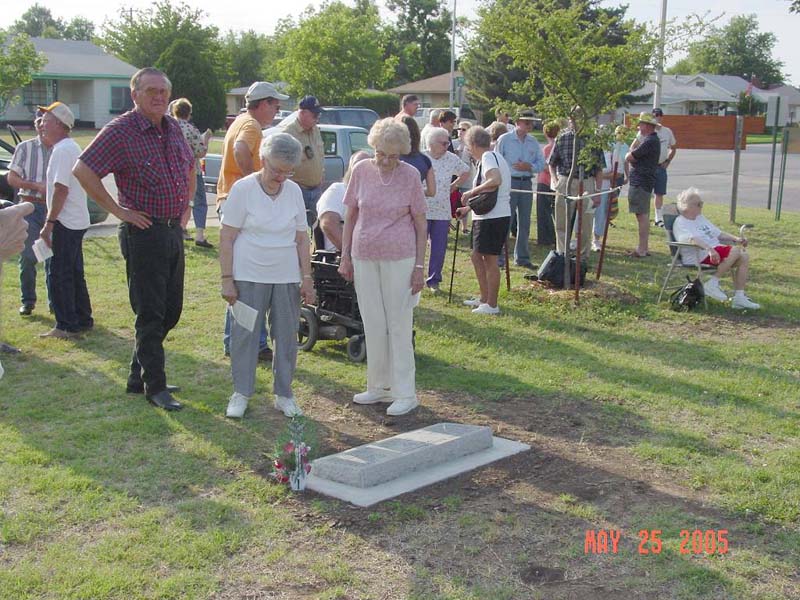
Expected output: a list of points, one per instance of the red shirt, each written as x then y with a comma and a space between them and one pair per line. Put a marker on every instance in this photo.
151, 166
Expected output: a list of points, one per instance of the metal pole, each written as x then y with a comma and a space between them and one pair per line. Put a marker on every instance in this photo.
784, 151
737, 152
453, 268
660, 65
774, 144
453, 58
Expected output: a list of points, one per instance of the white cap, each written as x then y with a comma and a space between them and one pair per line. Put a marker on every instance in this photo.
61, 112
263, 89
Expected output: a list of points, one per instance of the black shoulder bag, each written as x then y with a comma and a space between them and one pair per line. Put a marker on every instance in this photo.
484, 202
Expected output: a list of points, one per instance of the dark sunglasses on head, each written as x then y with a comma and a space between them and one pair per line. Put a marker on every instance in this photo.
309, 151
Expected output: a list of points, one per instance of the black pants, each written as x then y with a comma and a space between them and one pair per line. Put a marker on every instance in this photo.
69, 294
545, 230
155, 266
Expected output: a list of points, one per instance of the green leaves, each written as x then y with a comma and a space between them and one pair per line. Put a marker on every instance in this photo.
18, 62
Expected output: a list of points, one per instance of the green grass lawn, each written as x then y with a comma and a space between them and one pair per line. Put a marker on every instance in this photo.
761, 138
638, 418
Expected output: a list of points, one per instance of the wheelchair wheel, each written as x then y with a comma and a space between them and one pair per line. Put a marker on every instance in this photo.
307, 330
357, 348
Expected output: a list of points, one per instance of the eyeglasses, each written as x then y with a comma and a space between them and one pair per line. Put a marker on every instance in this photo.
152, 92
278, 172
382, 156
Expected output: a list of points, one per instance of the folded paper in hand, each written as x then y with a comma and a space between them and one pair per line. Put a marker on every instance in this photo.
41, 250
244, 315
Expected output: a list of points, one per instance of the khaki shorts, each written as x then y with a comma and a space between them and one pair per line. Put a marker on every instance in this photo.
638, 200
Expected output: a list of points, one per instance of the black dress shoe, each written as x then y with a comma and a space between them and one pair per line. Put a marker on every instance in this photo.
164, 399
265, 355
26, 309
203, 243
138, 388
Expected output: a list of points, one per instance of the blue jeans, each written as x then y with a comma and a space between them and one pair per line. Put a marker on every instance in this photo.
310, 197
521, 203
199, 204
70, 296
27, 259
600, 214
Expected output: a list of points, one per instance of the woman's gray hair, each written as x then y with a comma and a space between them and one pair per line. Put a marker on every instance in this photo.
688, 197
281, 147
433, 134
391, 136
478, 137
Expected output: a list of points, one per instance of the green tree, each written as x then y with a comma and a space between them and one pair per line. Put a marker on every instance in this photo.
334, 52
141, 36
419, 38
38, 21
794, 6
79, 28
493, 76
252, 56
192, 74
738, 48
18, 63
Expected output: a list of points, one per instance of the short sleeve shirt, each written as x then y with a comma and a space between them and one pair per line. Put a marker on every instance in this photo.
194, 138
492, 160
643, 171
311, 170
265, 251
387, 206
74, 214
332, 200
684, 230
444, 168
151, 166
30, 162
245, 128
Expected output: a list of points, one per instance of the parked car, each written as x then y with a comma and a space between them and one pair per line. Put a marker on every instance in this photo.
340, 142
423, 115
96, 214
355, 116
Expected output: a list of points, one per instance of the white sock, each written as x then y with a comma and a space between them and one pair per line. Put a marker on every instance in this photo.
713, 280
659, 216
738, 294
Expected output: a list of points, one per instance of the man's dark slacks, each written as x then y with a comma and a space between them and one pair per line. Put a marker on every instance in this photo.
154, 263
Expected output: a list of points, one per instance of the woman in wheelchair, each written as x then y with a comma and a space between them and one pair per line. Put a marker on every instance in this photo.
691, 227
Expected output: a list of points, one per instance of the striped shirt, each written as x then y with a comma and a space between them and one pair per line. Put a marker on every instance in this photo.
151, 166
30, 162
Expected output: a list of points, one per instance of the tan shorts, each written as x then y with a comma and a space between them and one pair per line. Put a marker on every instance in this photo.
638, 200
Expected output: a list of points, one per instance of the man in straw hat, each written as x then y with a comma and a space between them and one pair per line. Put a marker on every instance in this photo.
643, 159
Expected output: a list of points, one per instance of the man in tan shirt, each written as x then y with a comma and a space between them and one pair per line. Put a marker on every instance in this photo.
243, 139
311, 170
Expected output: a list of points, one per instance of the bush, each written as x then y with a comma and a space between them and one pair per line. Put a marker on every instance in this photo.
383, 103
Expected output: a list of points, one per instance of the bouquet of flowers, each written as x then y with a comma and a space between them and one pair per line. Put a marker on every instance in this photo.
291, 460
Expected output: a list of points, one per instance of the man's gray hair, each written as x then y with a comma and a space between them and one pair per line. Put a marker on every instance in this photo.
688, 197
148, 71
478, 137
434, 134
281, 147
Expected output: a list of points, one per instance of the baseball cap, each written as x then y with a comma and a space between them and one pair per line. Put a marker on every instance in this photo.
310, 103
658, 112
61, 112
263, 89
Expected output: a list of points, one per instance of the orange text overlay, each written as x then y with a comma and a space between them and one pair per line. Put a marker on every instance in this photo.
692, 541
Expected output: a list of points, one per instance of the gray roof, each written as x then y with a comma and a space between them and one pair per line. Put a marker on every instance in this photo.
675, 89
70, 58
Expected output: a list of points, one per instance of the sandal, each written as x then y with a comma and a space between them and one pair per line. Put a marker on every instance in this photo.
636, 254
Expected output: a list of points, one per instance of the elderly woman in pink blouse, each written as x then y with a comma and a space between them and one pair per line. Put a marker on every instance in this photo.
383, 249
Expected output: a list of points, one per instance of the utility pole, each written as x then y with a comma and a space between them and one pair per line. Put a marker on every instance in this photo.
453, 58
660, 65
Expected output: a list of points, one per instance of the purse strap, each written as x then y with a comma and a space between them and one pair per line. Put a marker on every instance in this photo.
480, 168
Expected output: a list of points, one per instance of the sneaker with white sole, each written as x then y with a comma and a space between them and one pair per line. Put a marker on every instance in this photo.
485, 309
288, 406
473, 302
595, 246
713, 290
236, 406
373, 397
402, 406
744, 303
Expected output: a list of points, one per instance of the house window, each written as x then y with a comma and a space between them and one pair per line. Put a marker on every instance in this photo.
40, 92
121, 100
701, 84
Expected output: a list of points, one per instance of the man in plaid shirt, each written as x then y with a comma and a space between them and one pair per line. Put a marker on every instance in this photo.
560, 162
154, 170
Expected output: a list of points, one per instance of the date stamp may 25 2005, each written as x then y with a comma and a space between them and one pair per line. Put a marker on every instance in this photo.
692, 541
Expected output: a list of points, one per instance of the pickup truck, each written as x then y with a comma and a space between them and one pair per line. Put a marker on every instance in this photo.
340, 142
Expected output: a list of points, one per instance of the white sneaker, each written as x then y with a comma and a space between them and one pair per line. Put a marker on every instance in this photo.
373, 397
236, 406
595, 246
573, 244
288, 406
474, 302
713, 290
485, 309
402, 406
743, 302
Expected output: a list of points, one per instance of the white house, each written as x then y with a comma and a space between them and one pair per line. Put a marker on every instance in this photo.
92, 82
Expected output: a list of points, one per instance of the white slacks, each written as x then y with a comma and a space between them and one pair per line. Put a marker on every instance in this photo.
387, 310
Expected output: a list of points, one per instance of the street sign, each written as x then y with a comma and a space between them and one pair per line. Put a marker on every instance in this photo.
460, 81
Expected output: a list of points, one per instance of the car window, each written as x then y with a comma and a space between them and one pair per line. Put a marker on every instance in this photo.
358, 141
329, 142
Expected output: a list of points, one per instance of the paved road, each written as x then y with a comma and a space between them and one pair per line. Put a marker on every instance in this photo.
712, 172
709, 170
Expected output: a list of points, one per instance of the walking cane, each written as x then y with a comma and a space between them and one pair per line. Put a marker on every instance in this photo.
508, 269
453, 268
608, 219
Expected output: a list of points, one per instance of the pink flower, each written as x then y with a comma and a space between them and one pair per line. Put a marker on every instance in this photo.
307, 468
289, 447
304, 449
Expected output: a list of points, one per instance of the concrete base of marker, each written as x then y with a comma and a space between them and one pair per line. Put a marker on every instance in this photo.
416, 479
